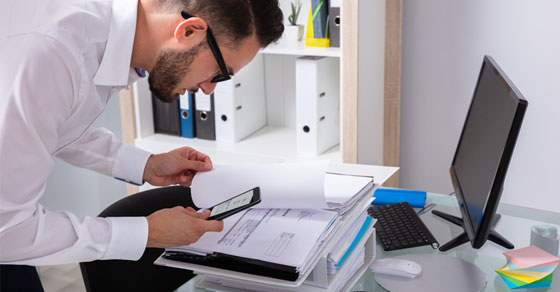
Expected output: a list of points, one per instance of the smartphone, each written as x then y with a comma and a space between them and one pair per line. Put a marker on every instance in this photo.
235, 204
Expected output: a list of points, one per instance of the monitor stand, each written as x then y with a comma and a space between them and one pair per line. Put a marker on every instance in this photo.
493, 236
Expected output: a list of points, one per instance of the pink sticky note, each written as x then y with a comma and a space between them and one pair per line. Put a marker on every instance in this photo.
531, 256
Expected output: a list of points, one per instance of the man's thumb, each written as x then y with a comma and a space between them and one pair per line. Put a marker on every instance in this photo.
196, 165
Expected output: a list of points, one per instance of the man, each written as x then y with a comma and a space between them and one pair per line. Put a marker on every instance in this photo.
60, 61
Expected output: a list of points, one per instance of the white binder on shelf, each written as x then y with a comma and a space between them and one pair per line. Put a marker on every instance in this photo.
240, 103
317, 104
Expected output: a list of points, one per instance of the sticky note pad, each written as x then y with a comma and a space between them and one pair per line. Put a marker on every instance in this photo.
528, 267
531, 256
416, 199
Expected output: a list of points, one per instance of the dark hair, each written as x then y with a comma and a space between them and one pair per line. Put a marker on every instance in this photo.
232, 21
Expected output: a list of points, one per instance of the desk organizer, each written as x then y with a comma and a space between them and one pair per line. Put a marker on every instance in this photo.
315, 279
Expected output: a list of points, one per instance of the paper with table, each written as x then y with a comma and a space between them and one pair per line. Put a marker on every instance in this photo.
280, 236
277, 243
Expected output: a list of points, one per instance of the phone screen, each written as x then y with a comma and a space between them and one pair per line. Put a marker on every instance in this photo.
233, 203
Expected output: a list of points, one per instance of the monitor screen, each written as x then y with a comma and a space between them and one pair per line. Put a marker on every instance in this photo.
485, 146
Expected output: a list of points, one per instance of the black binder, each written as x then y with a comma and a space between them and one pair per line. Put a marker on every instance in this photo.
238, 264
166, 117
334, 26
205, 123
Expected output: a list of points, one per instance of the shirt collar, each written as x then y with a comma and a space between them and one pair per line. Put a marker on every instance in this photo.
114, 69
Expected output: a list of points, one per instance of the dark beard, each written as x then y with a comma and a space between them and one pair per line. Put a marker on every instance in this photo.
171, 66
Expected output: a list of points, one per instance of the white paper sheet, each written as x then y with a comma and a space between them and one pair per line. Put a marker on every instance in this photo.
340, 188
285, 185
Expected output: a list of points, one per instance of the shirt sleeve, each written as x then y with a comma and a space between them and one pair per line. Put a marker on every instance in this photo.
99, 150
38, 83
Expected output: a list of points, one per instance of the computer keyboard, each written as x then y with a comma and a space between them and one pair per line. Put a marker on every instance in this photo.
398, 227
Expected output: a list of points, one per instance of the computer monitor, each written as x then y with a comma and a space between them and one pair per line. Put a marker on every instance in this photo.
482, 157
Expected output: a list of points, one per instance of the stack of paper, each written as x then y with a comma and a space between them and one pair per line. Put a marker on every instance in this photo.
284, 237
528, 267
343, 190
344, 247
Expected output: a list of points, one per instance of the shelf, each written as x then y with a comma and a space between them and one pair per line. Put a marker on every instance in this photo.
268, 145
299, 49
378, 28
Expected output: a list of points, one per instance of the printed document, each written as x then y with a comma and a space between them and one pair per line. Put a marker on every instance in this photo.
282, 236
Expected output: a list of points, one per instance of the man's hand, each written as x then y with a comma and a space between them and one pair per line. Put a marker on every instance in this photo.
176, 167
179, 226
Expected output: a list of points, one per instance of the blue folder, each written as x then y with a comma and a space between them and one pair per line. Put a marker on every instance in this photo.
358, 237
186, 108
416, 199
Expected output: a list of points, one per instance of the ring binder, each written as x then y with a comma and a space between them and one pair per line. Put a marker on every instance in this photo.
240, 103
166, 117
186, 105
205, 123
317, 104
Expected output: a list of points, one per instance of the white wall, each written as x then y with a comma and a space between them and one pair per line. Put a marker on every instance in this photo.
443, 46
371, 77
81, 191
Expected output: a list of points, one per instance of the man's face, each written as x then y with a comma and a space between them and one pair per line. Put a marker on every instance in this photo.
176, 71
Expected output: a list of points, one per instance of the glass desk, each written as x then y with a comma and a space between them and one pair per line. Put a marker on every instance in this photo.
515, 225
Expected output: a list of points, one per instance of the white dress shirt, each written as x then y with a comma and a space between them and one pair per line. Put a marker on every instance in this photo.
60, 61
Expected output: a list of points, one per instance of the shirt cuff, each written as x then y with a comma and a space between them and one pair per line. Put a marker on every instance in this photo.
129, 164
129, 236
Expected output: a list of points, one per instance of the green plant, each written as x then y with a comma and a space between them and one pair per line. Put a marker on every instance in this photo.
296, 7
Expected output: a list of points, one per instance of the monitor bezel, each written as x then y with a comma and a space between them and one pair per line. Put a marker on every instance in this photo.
479, 237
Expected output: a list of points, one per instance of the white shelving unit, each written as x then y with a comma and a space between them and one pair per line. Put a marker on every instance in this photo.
299, 49
275, 142
361, 98
279, 141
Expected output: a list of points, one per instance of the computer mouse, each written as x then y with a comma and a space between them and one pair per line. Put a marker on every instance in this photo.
397, 267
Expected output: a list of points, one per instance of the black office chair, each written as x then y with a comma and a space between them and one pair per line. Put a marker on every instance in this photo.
16, 278
141, 275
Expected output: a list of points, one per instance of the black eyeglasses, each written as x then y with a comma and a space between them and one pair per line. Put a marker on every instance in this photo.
216, 51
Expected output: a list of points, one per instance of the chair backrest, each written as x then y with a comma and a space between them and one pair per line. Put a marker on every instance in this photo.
15, 278
141, 275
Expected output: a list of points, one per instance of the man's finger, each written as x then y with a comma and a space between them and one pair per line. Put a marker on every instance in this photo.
213, 225
202, 157
196, 165
208, 161
205, 214
199, 156
199, 215
183, 180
